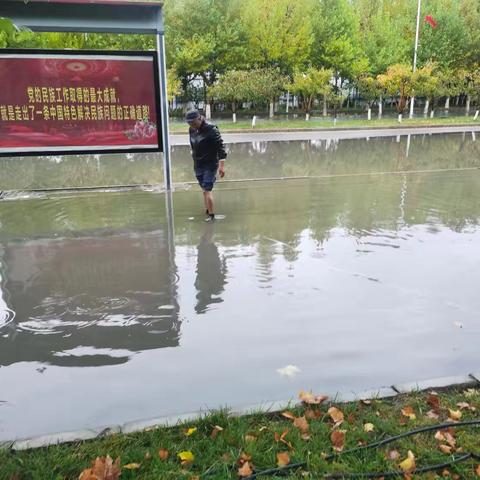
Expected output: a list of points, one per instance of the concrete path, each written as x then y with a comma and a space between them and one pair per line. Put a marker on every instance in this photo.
279, 136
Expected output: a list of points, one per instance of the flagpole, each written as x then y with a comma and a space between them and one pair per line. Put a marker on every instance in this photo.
412, 100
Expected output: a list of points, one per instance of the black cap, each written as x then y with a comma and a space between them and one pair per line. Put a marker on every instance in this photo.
192, 115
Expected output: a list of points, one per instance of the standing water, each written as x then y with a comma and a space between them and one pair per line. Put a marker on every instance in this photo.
356, 277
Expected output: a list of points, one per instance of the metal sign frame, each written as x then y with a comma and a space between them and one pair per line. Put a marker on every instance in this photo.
86, 53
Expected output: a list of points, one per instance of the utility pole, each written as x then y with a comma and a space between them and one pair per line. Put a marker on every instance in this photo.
412, 100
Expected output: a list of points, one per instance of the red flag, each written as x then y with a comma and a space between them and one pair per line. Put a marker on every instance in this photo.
429, 19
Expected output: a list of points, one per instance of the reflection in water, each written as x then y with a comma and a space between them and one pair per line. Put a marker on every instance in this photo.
211, 272
80, 300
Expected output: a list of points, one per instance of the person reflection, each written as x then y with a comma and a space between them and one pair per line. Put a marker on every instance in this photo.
211, 272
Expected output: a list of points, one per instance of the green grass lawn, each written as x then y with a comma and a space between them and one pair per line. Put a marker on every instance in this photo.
253, 443
228, 125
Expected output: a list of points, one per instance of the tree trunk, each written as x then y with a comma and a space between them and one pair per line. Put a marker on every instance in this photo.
288, 101
369, 113
307, 117
324, 113
467, 106
399, 118
447, 103
427, 104
208, 111
380, 107
476, 114
432, 113
270, 114
254, 121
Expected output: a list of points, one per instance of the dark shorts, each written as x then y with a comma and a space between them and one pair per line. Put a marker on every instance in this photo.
206, 177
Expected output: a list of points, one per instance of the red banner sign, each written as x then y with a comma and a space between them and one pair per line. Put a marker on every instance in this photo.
52, 103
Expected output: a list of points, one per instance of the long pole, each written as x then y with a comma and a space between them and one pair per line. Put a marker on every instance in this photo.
162, 67
412, 101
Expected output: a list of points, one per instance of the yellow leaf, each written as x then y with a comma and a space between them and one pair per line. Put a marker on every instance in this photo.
283, 459
310, 399
250, 438
190, 431
186, 457
336, 415
245, 470
163, 454
132, 466
477, 470
408, 465
455, 414
472, 392
369, 427
408, 412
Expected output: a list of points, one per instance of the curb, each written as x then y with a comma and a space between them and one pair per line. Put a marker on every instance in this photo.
470, 380
338, 129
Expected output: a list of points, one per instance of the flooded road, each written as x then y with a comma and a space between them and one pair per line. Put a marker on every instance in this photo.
109, 312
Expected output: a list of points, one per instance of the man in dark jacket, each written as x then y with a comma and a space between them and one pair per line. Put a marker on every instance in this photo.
208, 152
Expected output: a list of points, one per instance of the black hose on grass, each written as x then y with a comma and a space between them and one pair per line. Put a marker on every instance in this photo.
397, 473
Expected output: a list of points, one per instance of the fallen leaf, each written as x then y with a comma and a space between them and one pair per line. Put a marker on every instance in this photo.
283, 459
301, 423
440, 436
454, 414
163, 454
281, 438
337, 438
148, 456
445, 473
132, 466
261, 429
434, 402
465, 406
393, 455
336, 415
305, 436
245, 470
289, 371
408, 465
477, 470
445, 449
432, 414
351, 418
250, 438
310, 399
244, 457
289, 415
103, 468
366, 402
216, 430
312, 414
408, 412
190, 431
369, 427
186, 457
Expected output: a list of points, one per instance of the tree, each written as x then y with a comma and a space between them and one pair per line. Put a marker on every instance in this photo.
279, 33
370, 89
174, 84
310, 85
204, 38
398, 83
426, 83
264, 85
232, 87
336, 40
